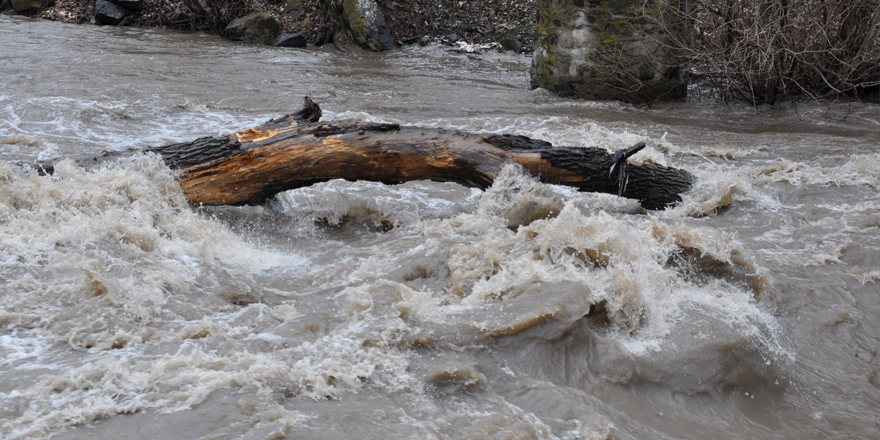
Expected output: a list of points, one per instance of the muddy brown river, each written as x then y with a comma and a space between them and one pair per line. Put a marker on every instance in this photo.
416, 311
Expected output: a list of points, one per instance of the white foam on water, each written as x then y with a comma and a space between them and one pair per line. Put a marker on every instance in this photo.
152, 296
137, 204
126, 380
120, 256
823, 240
869, 277
15, 349
622, 259
64, 125
371, 202
637, 281
857, 169
120, 382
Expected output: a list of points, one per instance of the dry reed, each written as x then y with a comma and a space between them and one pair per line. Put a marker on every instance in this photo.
762, 51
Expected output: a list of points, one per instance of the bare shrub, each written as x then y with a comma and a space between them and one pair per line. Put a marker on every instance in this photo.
761, 51
216, 14
190, 15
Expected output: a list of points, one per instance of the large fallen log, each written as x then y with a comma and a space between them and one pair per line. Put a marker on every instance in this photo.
296, 150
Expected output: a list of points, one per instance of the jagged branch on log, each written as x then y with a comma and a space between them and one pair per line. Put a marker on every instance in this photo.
295, 150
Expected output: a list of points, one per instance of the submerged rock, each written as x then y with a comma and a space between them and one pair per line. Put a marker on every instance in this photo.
368, 24
107, 12
260, 27
290, 40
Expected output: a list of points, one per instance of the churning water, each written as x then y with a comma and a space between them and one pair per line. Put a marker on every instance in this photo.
361, 310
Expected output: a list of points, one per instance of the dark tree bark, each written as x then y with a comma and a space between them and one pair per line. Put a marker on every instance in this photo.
295, 150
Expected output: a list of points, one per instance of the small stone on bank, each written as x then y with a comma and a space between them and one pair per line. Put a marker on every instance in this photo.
260, 27
109, 13
511, 44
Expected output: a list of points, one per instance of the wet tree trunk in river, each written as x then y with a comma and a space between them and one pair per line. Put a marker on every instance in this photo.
295, 150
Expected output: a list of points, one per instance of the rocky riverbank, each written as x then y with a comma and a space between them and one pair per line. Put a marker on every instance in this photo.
509, 22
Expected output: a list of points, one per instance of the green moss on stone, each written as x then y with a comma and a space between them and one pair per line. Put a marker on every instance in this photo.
356, 22
611, 70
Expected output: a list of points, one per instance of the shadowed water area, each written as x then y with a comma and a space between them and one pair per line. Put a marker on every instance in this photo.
362, 310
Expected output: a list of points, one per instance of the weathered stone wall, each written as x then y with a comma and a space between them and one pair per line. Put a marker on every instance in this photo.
607, 49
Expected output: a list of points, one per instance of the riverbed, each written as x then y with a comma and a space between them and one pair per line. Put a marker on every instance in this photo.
369, 311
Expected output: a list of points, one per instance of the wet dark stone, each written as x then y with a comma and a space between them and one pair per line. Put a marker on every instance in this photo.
130, 5
869, 94
291, 40
511, 44
108, 13
367, 24
260, 27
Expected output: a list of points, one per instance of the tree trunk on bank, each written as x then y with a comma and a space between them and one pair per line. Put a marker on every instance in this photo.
294, 151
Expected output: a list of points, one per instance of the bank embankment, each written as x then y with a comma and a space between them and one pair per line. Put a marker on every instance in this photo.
510, 22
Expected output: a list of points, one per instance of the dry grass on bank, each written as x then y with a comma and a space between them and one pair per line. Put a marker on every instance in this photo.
187, 15
761, 51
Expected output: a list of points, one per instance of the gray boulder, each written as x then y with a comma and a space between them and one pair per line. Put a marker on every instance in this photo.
368, 24
260, 27
28, 5
107, 12
290, 40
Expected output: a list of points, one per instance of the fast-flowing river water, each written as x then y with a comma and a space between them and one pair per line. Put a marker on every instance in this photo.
368, 311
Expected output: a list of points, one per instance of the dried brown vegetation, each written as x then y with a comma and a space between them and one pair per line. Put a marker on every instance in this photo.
761, 51
212, 15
